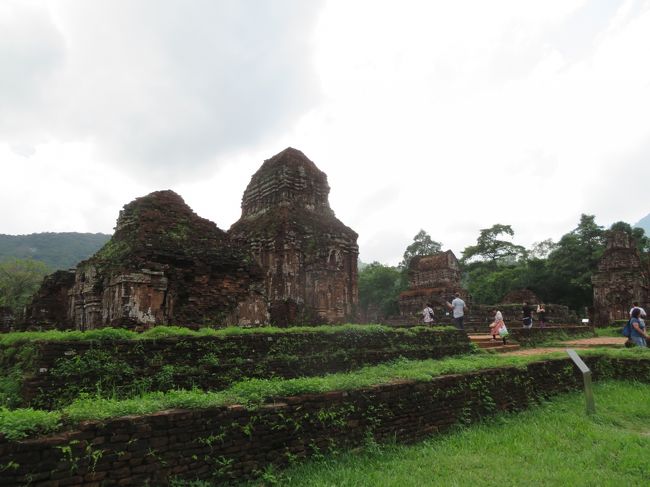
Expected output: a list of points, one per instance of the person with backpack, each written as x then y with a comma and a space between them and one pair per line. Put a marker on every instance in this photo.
427, 315
637, 330
527, 320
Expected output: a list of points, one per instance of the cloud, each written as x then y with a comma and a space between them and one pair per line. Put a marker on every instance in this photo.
446, 116
31, 52
160, 87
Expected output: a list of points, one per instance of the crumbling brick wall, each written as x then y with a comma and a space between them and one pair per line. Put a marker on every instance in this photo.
233, 443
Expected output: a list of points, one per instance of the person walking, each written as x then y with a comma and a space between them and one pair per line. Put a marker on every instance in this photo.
458, 308
528, 318
427, 315
498, 327
638, 334
635, 305
541, 315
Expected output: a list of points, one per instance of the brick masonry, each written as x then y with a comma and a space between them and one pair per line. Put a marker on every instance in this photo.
226, 443
62, 369
534, 335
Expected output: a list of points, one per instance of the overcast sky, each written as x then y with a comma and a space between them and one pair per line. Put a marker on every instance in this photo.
443, 116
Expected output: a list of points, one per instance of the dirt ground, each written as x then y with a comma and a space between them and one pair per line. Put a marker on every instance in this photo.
580, 343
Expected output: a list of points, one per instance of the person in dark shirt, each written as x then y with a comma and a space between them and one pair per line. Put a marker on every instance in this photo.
528, 318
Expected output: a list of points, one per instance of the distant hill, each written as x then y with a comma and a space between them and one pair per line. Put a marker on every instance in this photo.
57, 250
644, 223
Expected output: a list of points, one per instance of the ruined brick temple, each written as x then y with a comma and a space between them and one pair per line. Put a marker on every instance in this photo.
621, 279
309, 257
287, 260
433, 279
436, 279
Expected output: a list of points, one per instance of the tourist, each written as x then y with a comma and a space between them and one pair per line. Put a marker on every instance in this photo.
541, 314
638, 335
458, 307
635, 305
527, 319
497, 325
427, 315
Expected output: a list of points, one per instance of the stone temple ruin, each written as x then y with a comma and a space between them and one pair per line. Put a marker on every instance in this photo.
436, 278
287, 260
433, 279
621, 280
309, 257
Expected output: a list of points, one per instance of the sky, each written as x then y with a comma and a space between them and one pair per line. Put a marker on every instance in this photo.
444, 116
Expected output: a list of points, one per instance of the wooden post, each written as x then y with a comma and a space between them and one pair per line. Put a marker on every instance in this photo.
586, 375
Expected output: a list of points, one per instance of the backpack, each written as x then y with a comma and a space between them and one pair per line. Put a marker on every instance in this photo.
431, 314
627, 329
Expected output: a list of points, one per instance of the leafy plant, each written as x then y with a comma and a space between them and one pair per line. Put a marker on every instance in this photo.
20, 423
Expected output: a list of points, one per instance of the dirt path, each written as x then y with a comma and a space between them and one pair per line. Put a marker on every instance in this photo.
615, 342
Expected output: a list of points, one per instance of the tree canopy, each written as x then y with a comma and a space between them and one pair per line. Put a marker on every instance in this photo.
19, 280
379, 288
489, 248
422, 244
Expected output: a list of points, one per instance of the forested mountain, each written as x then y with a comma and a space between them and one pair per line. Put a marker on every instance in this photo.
644, 223
56, 250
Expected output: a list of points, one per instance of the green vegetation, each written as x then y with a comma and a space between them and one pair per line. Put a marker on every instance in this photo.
254, 392
611, 331
113, 252
380, 285
422, 244
491, 250
558, 272
55, 250
379, 288
554, 444
19, 280
553, 338
160, 332
116, 363
19, 423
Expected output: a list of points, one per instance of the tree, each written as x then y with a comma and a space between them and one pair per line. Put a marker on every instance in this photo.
379, 287
573, 261
19, 280
540, 250
422, 244
637, 233
489, 248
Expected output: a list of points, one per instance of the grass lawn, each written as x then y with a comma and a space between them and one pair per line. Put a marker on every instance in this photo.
611, 331
554, 444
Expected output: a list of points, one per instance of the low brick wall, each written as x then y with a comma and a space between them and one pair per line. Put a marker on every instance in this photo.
534, 335
59, 370
226, 443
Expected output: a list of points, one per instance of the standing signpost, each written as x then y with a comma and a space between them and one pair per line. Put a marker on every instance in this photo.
586, 375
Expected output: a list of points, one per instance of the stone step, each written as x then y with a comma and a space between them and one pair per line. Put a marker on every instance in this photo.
485, 341
510, 347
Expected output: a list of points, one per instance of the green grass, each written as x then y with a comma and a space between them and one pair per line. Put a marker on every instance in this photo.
612, 331
19, 423
253, 392
555, 444
553, 338
158, 332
